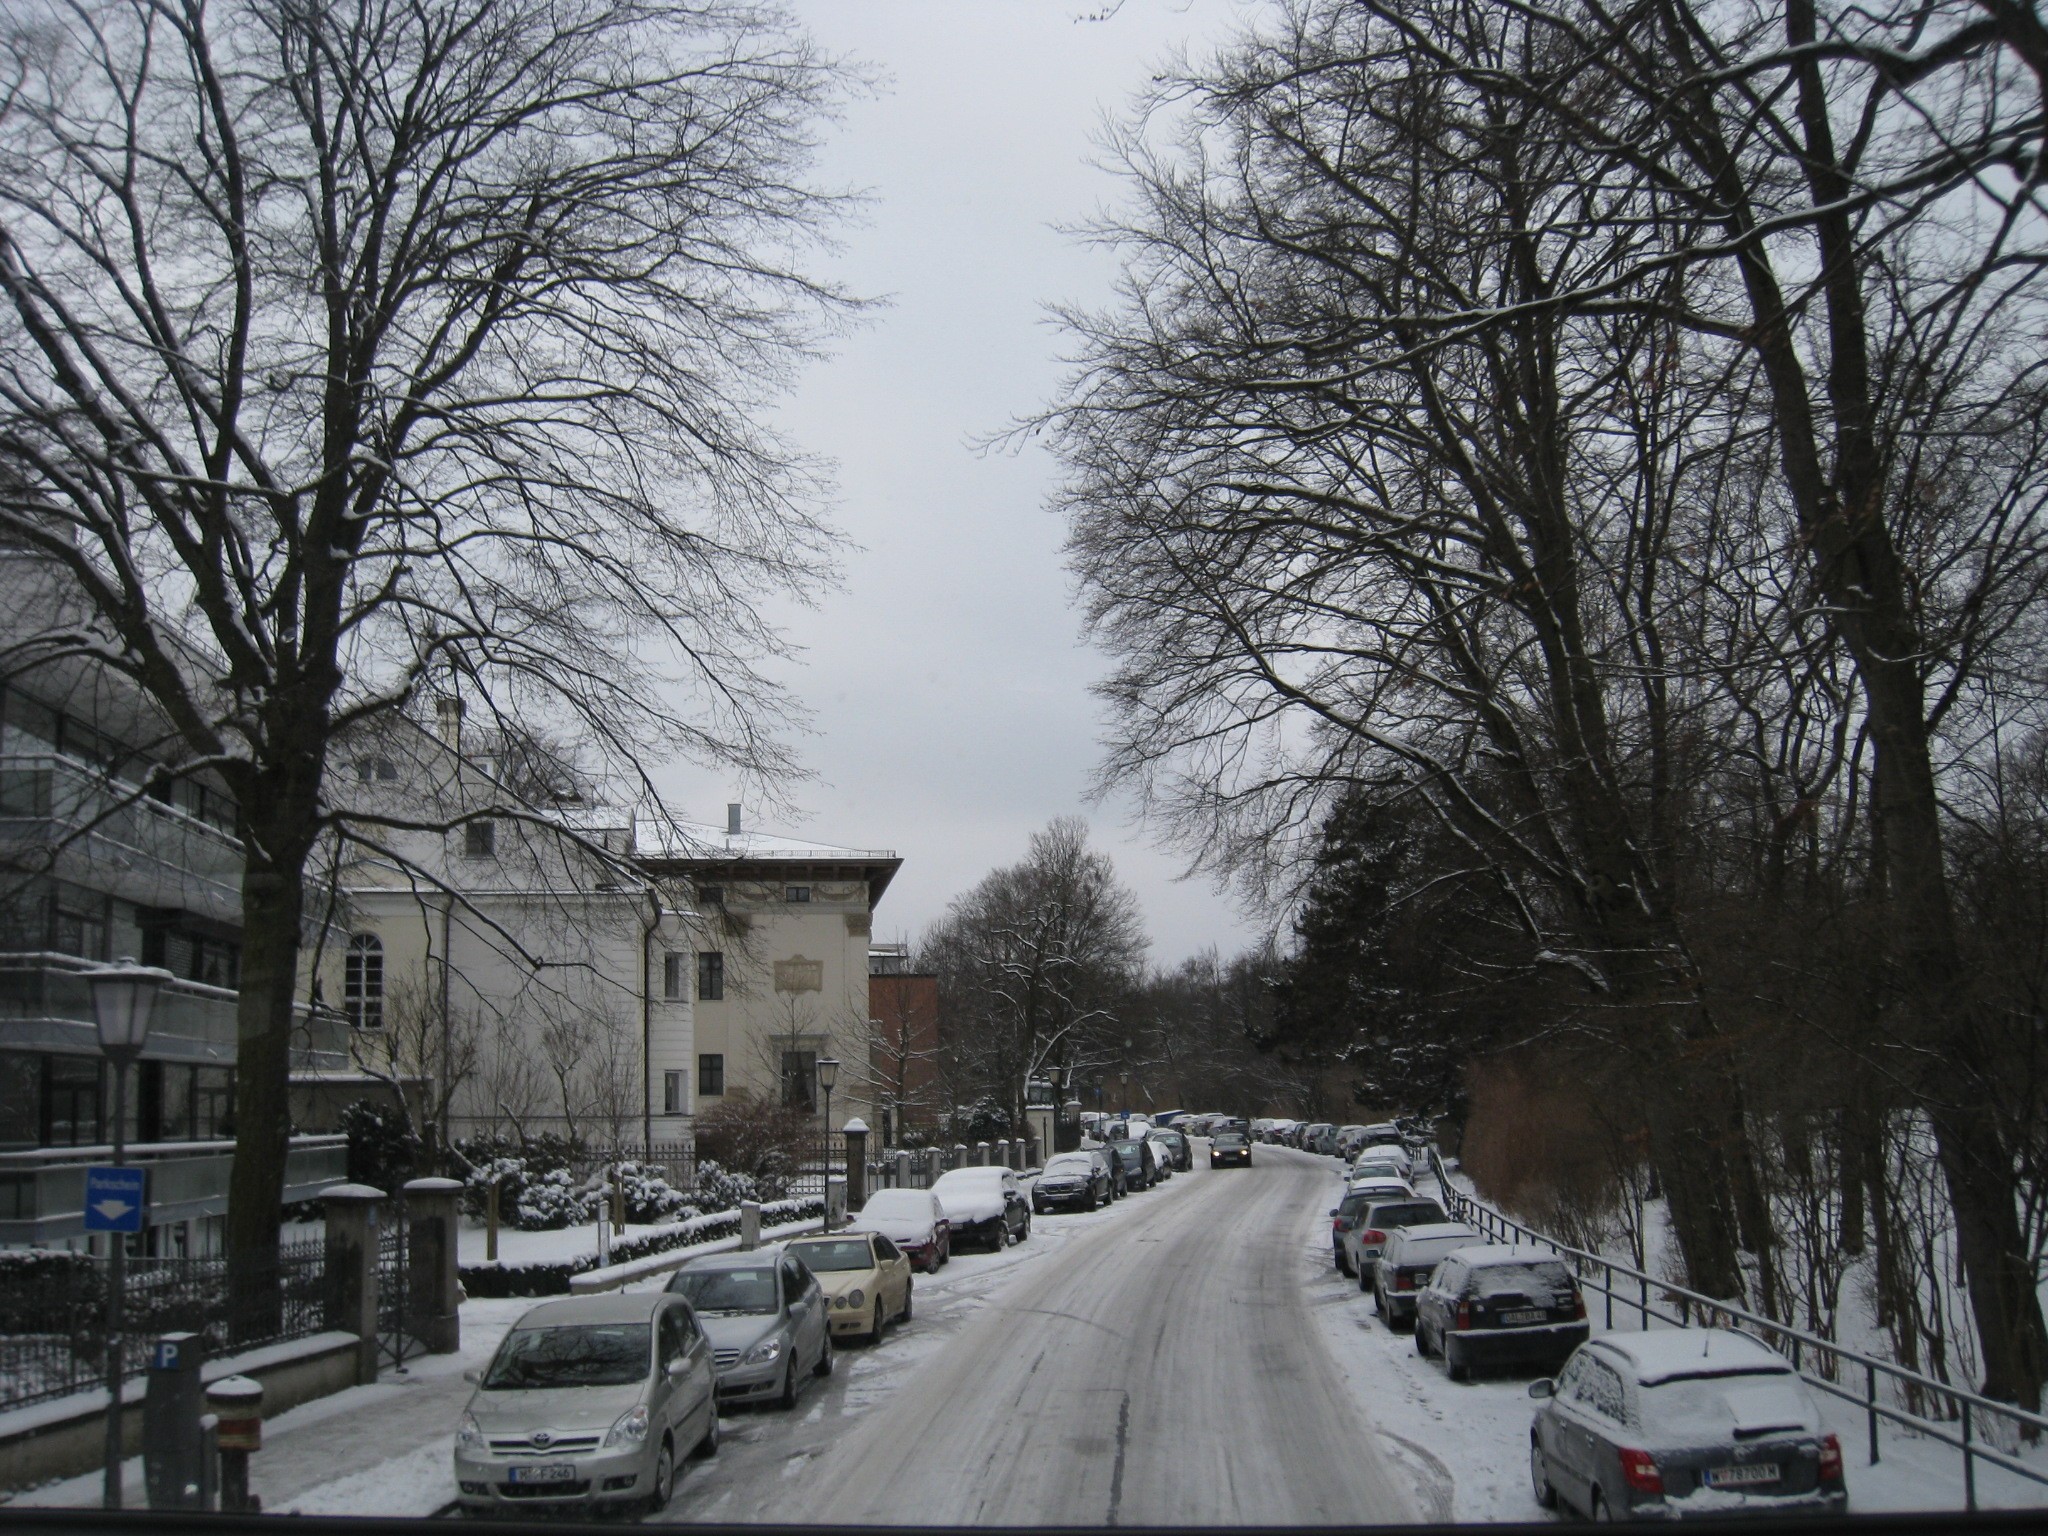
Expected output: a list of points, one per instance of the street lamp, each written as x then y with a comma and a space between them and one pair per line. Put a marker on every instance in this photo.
828, 1074
122, 998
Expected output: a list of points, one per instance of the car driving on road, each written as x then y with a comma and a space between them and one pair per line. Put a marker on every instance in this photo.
1499, 1306
587, 1403
1232, 1147
1686, 1421
765, 1316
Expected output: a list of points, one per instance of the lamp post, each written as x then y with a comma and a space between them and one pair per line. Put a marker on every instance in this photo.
828, 1074
122, 998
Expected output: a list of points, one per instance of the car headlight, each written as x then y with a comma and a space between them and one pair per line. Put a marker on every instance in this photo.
468, 1433
767, 1352
855, 1297
631, 1428
840, 1302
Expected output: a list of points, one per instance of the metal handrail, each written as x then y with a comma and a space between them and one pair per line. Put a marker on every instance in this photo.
1971, 1408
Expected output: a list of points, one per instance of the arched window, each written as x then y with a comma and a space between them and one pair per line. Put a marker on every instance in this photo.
362, 982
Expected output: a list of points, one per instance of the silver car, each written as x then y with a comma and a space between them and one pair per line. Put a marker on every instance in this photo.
766, 1318
588, 1403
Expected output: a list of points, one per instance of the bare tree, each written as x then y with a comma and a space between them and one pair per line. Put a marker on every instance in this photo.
381, 351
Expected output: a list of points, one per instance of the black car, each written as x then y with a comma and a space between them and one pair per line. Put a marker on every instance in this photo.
1173, 1145
1140, 1171
1230, 1147
1499, 1307
1072, 1181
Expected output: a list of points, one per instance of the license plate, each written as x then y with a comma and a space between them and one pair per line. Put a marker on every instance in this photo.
1527, 1315
1736, 1477
552, 1473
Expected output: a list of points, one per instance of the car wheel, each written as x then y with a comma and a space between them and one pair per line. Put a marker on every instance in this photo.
1002, 1235
1024, 1234
1454, 1363
1379, 1307
1421, 1340
1539, 1476
1600, 1512
1364, 1279
875, 1333
908, 1292
1343, 1264
824, 1365
664, 1476
787, 1397
1092, 1203
708, 1446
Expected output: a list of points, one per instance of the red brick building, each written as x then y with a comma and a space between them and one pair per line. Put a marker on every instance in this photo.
903, 1051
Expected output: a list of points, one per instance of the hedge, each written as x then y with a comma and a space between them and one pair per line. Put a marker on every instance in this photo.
490, 1281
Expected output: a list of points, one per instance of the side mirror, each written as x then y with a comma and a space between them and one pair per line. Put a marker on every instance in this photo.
1543, 1386
675, 1370
471, 1377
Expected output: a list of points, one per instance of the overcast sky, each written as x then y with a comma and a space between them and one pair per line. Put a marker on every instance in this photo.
948, 681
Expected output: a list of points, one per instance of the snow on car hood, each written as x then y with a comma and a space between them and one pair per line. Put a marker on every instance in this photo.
898, 1229
966, 1201
556, 1409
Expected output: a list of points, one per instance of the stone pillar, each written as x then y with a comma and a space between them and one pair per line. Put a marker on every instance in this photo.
352, 1268
835, 1201
856, 1163
750, 1224
903, 1168
432, 1312
934, 1161
981, 1154
1002, 1151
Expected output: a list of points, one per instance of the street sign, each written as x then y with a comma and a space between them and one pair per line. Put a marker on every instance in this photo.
114, 1199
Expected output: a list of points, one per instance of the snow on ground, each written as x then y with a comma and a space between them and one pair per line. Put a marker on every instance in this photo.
1467, 1445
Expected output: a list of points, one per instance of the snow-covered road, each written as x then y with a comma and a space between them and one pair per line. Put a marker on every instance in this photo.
1152, 1364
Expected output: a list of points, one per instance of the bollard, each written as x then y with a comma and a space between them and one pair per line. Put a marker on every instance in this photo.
903, 1168
750, 1224
237, 1405
433, 1312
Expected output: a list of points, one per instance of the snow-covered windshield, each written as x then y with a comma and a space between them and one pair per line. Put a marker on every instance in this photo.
841, 1254
1724, 1407
1537, 1280
1070, 1164
574, 1355
728, 1290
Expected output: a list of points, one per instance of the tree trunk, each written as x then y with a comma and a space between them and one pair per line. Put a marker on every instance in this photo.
273, 902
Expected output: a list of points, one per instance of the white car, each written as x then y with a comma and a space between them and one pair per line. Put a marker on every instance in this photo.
913, 1220
1387, 1152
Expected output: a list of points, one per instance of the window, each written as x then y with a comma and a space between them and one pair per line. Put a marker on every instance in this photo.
480, 839
710, 895
74, 1101
362, 982
675, 1093
213, 1103
672, 974
800, 1080
711, 1076
21, 1101
380, 769
710, 976
796, 894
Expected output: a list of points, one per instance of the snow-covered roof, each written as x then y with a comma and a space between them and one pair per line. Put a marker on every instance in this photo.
660, 839
1491, 1255
1671, 1352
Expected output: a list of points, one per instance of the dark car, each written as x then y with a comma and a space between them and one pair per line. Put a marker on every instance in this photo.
1345, 1214
984, 1205
1140, 1171
1680, 1422
1174, 1146
1497, 1307
1383, 1214
1111, 1165
1230, 1147
1071, 1181
1407, 1261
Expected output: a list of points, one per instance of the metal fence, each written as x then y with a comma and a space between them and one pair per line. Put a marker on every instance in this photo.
1980, 1428
53, 1332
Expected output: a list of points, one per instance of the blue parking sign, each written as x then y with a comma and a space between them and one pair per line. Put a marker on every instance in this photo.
114, 1199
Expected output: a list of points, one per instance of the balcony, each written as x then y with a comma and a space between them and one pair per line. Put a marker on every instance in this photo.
46, 1005
42, 1194
111, 836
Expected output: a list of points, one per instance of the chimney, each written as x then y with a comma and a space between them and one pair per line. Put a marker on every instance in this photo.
732, 819
448, 718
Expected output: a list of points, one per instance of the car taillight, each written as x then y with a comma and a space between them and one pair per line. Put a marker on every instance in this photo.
1337, 1225
1403, 1281
1578, 1305
1372, 1235
1639, 1471
1830, 1459
1464, 1314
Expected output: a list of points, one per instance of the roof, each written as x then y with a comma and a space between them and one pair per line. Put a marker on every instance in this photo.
1498, 1255
974, 1175
1436, 1231
611, 1307
737, 1258
1673, 1352
699, 848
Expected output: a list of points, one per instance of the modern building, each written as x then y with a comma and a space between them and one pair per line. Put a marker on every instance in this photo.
776, 960
107, 854
498, 949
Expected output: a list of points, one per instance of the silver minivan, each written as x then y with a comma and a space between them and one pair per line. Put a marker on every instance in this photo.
588, 1403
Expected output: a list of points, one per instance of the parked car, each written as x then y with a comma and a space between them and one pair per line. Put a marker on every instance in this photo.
864, 1276
1349, 1139
1174, 1146
1382, 1131
913, 1220
1232, 1147
1071, 1180
1344, 1216
1111, 1164
1678, 1422
1388, 1152
985, 1205
765, 1316
1367, 1168
1362, 1244
1406, 1262
1321, 1136
588, 1402
1499, 1306
1141, 1170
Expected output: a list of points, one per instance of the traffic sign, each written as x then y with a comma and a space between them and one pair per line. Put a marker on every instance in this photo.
114, 1199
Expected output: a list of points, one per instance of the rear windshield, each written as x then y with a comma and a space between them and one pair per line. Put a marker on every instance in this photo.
576, 1355
1429, 1249
1408, 1213
1738, 1406
1543, 1278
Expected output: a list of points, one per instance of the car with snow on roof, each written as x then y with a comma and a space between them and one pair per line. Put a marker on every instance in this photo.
1499, 1306
985, 1205
1407, 1261
1071, 1181
1685, 1423
913, 1220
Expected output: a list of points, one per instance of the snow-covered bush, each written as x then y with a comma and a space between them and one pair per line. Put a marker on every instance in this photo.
553, 1200
649, 1195
721, 1190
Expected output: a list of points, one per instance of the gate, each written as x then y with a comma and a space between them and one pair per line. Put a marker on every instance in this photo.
397, 1339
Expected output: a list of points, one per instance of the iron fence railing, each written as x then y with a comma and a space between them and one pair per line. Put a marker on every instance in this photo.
1826, 1365
53, 1333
